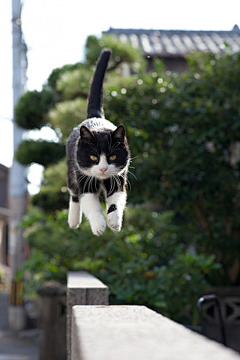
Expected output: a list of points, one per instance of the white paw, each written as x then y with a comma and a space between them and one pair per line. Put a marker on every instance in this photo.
74, 215
98, 226
114, 221
73, 223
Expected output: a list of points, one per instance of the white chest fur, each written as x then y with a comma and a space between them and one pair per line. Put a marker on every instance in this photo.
98, 124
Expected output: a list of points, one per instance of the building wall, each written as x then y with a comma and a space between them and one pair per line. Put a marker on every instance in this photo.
4, 213
175, 64
3, 186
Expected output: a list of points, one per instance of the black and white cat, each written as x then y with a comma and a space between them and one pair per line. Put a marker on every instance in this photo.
97, 158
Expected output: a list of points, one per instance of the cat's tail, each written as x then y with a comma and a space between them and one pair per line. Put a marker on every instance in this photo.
95, 99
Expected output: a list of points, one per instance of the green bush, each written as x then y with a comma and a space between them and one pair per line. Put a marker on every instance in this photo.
139, 267
42, 152
184, 135
121, 52
32, 107
184, 131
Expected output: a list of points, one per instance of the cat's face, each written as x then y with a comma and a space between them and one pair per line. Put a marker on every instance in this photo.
102, 154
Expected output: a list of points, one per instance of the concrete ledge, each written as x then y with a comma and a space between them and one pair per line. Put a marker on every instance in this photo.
83, 289
137, 333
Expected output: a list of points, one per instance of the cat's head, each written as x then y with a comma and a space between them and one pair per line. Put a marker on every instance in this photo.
103, 154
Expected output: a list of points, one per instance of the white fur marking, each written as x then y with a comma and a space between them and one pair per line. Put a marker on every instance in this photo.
114, 219
98, 124
103, 164
93, 211
74, 214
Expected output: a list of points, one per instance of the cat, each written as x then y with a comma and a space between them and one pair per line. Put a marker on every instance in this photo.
98, 157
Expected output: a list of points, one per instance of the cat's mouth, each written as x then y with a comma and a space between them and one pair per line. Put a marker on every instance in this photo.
106, 175
103, 176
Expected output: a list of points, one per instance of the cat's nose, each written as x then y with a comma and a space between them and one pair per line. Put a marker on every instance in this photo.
103, 169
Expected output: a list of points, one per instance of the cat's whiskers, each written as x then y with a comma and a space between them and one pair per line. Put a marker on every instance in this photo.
128, 183
132, 158
74, 172
126, 179
86, 182
119, 185
114, 182
132, 174
81, 177
111, 185
96, 185
90, 185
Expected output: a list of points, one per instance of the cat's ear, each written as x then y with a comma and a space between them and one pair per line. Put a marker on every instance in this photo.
119, 133
85, 134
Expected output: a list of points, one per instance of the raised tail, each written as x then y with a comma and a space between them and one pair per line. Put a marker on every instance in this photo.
95, 99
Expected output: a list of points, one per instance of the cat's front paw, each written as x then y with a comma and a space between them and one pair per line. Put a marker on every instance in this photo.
73, 223
114, 221
74, 215
99, 226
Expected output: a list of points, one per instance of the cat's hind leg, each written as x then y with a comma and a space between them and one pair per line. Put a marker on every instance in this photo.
92, 209
115, 206
74, 212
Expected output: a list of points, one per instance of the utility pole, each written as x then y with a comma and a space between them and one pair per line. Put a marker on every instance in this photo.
17, 178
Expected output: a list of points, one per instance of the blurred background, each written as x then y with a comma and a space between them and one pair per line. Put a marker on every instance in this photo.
174, 82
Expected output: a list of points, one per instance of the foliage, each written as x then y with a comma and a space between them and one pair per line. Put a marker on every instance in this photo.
32, 107
58, 72
121, 52
183, 132
48, 199
42, 152
63, 99
54, 177
199, 158
159, 276
67, 115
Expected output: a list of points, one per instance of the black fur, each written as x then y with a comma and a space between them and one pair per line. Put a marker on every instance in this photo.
112, 208
95, 101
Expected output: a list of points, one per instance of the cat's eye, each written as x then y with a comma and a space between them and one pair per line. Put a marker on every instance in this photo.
93, 157
113, 157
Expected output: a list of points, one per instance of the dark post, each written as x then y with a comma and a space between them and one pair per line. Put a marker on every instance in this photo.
52, 321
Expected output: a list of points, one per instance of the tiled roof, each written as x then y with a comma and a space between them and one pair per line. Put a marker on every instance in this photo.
172, 43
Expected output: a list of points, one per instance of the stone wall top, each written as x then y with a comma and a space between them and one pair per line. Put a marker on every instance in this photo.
83, 280
137, 333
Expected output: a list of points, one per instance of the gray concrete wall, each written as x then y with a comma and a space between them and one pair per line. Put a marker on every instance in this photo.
83, 289
137, 333
4, 310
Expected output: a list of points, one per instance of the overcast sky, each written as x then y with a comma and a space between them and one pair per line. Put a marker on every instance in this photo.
55, 32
